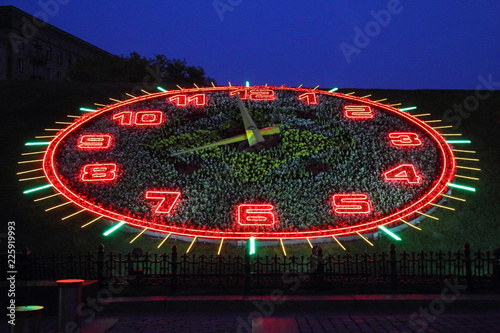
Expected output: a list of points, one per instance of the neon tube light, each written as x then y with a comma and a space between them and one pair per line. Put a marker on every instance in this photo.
164, 240
220, 246
458, 141
390, 233
87, 110
114, 228
251, 242
462, 187
408, 108
37, 188
41, 143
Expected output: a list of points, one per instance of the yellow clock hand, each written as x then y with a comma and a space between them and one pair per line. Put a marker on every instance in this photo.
252, 132
237, 138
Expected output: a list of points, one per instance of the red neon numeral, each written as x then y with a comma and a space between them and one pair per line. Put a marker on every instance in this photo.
262, 95
99, 172
254, 94
405, 173
140, 118
358, 112
184, 100
148, 118
94, 141
256, 215
178, 100
124, 118
404, 139
351, 203
309, 98
167, 200
198, 99
242, 92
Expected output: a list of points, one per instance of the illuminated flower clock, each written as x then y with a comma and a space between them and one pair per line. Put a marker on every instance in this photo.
275, 163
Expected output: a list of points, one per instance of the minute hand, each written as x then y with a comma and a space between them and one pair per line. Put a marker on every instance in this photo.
253, 134
237, 138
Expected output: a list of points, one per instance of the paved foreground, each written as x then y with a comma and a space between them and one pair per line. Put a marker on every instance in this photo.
290, 322
439, 313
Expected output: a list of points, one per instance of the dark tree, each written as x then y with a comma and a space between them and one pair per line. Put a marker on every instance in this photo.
134, 68
177, 72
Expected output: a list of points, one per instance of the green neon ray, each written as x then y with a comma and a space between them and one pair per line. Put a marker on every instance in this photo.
408, 108
40, 143
37, 188
462, 187
113, 228
390, 233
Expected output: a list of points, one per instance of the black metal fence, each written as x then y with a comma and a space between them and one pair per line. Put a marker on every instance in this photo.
390, 270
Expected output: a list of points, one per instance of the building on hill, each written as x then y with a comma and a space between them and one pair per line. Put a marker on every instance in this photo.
31, 49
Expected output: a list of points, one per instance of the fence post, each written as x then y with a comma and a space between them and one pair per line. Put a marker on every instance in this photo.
318, 266
496, 267
173, 263
394, 272
468, 266
100, 265
247, 271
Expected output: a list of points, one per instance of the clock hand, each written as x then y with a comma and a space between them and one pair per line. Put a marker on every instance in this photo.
237, 138
253, 134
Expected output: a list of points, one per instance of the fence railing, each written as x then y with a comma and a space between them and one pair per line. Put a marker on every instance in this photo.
392, 270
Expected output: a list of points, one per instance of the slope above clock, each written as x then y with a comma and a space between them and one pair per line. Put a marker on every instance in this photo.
330, 164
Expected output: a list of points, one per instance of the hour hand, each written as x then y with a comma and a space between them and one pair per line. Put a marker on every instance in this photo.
253, 134
233, 139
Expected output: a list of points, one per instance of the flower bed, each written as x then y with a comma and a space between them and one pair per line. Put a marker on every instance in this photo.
318, 152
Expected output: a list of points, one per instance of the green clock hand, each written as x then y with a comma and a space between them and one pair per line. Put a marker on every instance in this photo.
237, 138
252, 132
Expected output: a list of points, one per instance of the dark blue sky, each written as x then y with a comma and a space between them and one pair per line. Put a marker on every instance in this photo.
418, 44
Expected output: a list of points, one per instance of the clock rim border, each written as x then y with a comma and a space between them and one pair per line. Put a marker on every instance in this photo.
448, 171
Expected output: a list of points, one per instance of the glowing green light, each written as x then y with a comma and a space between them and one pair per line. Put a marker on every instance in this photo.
408, 108
251, 242
462, 187
247, 84
37, 188
114, 228
28, 308
40, 143
161, 89
390, 233
458, 141
333, 89
87, 110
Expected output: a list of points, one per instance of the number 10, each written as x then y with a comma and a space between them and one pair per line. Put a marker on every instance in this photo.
140, 118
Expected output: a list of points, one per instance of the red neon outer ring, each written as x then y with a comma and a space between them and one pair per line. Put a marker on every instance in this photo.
439, 187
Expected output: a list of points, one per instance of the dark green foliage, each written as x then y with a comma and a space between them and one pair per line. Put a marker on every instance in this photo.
136, 69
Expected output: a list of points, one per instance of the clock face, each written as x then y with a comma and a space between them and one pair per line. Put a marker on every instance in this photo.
234, 162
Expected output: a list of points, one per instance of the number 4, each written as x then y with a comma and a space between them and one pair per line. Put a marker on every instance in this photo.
404, 173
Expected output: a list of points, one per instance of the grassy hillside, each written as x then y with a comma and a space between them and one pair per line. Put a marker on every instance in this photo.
29, 107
